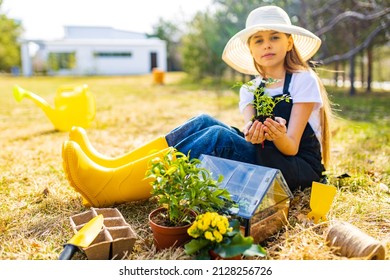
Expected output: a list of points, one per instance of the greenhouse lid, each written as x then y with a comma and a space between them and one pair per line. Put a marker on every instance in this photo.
247, 183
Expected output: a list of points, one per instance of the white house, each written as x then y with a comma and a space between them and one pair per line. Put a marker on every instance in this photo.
96, 51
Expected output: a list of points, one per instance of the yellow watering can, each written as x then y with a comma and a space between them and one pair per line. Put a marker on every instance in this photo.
73, 106
321, 199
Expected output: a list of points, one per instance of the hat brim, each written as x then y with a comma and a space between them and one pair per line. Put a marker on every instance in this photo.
238, 56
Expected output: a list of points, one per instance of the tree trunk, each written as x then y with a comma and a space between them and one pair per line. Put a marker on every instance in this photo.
362, 69
344, 74
352, 90
336, 73
369, 69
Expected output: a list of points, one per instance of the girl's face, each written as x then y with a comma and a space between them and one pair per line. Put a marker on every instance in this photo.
269, 48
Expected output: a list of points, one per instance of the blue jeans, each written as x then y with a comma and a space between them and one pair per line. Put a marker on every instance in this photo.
205, 135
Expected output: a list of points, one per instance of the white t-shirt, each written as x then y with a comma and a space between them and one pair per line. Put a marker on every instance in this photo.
303, 88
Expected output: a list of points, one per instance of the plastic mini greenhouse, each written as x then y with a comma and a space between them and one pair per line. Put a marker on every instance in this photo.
261, 193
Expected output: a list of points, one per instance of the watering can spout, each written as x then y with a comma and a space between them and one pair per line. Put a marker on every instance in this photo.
20, 93
74, 106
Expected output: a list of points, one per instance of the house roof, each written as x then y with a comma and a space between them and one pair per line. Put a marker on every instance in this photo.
100, 32
106, 42
100, 36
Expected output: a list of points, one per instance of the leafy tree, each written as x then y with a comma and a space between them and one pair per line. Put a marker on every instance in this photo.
171, 33
10, 30
231, 16
202, 47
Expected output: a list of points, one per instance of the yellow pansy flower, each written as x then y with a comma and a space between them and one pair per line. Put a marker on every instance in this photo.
208, 235
218, 236
222, 227
193, 230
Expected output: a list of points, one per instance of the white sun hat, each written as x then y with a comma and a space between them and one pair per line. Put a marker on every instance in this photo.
237, 54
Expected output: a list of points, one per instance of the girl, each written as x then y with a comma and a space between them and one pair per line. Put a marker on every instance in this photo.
296, 142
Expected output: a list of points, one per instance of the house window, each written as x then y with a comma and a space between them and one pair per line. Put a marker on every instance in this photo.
112, 54
61, 60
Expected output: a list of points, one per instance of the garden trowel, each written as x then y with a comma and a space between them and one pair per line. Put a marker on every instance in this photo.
83, 238
320, 201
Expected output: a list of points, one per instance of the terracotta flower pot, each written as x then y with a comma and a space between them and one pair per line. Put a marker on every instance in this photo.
166, 237
215, 256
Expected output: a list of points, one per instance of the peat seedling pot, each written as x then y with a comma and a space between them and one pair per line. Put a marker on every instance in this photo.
168, 236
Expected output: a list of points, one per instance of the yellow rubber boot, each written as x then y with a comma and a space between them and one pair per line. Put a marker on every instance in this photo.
103, 186
79, 135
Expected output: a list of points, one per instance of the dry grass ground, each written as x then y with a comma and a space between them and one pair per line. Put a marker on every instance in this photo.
36, 200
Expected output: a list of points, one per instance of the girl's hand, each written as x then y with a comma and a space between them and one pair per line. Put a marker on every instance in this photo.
275, 129
246, 128
254, 132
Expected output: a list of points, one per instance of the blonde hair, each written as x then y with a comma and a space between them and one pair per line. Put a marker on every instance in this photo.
293, 63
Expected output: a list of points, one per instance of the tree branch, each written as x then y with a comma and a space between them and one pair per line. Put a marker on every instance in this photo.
356, 50
324, 8
353, 14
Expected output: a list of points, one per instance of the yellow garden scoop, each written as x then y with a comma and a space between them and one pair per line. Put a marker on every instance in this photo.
83, 238
320, 201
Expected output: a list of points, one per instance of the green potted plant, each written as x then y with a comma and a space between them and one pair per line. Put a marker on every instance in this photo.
264, 105
182, 189
215, 237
